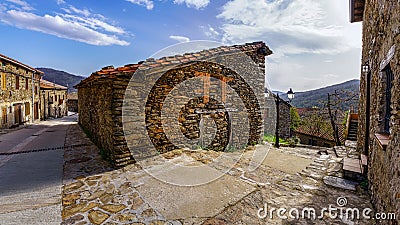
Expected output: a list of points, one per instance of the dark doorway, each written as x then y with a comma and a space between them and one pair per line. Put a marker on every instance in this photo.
17, 114
36, 111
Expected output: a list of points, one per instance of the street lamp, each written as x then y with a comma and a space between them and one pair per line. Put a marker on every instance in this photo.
365, 68
367, 75
290, 96
44, 104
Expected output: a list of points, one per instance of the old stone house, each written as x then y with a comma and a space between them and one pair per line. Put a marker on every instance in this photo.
379, 106
196, 98
319, 134
53, 99
316, 128
19, 93
72, 102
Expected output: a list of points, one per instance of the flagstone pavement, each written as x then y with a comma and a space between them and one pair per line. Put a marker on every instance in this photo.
288, 178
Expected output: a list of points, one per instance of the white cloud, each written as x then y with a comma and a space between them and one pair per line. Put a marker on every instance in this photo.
303, 34
77, 24
147, 3
24, 5
60, 2
179, 38
197, 4
288, 26
93, 23
60, 27
210, 32
84, 12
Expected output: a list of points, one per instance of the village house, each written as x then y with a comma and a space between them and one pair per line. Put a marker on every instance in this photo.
72, 102
316, 128
19, 93
220, 94
319, 133
53, 99
379, 106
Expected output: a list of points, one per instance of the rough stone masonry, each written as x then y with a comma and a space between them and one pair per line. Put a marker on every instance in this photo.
381, 141
212, 99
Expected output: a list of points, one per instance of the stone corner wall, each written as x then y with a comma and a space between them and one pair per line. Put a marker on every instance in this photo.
95, 115
101, 102
381, 34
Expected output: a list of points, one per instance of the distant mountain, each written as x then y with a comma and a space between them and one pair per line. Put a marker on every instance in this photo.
61, 78
318, 97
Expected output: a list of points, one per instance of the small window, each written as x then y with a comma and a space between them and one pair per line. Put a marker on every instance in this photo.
36, 90
3, 81
17, 82
388, 79
26, 83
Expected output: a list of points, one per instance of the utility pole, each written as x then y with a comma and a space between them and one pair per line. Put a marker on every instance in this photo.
277, 122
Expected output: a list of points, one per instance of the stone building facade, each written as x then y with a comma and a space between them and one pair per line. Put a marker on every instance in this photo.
53, 100
19, 93
72, 102
379, 107
195, 99
270, 117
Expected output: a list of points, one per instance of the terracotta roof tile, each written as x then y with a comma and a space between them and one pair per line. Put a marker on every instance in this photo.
171, 60
45, 84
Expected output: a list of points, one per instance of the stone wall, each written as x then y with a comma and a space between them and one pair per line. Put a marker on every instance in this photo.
381, 48
284, 119
195, 99
270, 117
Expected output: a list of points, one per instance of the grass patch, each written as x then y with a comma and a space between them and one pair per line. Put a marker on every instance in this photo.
271, 139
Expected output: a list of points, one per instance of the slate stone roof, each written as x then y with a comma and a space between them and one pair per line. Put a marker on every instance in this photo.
324, 132
111, 72
13, 61
44, 84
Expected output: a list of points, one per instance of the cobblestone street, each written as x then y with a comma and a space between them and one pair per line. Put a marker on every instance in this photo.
93, 193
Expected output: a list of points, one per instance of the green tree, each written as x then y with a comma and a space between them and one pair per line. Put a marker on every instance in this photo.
294, 118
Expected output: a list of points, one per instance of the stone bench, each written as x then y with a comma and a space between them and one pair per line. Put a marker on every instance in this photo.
354, 168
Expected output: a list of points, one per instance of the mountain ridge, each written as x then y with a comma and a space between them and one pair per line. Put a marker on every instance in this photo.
318, 97
61, 77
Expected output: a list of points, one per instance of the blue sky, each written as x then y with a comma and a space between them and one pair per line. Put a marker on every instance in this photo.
314, 45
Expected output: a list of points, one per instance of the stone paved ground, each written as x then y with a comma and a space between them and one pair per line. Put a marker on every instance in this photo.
93, 193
